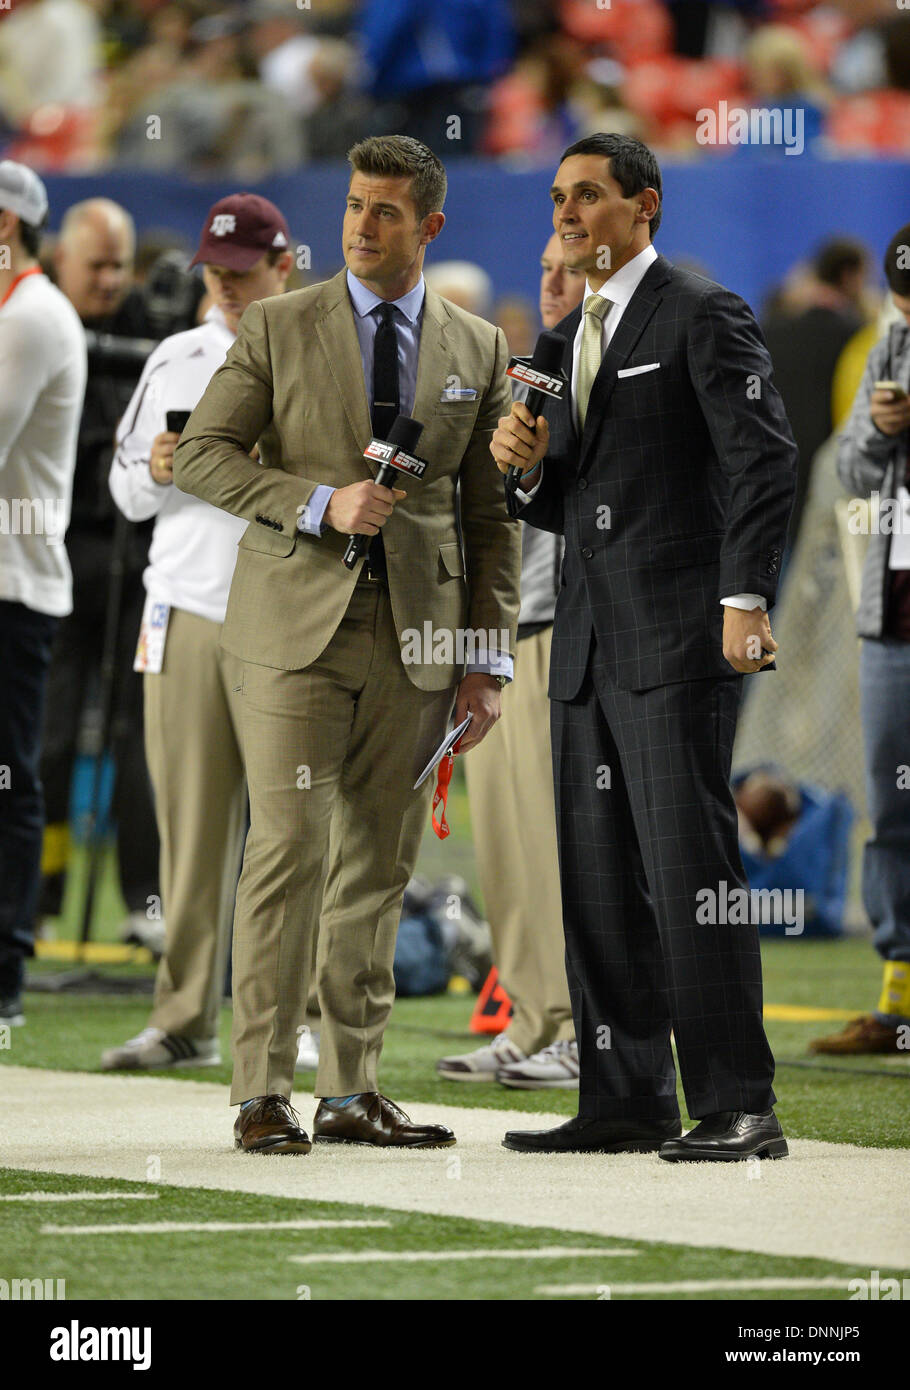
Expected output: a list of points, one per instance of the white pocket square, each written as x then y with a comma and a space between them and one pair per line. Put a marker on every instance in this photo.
464, 393
637, 371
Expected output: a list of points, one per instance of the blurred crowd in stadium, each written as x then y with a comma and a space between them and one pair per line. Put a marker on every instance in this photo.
265, 85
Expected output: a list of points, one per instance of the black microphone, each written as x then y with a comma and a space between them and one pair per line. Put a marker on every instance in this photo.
393, 456
545, 377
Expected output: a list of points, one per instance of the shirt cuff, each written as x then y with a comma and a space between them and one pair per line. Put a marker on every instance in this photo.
311, 516
523, 496
746, 602
496, 664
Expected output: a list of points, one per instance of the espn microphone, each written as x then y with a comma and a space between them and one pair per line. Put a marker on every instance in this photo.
544, 375
393, 455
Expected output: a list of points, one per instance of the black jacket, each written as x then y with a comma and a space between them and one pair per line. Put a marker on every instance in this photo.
677, 495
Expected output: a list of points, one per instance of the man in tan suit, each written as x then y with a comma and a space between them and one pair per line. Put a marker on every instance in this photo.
341, 706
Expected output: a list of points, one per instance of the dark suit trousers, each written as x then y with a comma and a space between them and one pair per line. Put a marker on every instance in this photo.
646, 821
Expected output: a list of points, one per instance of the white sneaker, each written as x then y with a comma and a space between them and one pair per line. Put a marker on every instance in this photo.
307, 1049
154, 1048
482, 1064
11, 1012
139, 930
552, 1068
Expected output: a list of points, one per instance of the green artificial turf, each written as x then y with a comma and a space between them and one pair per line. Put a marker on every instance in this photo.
234, 1265
847, 1100
861, 1100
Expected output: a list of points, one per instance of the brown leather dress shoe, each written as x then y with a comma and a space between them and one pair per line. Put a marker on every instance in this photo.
373, 1119
862, 1036
269, 1126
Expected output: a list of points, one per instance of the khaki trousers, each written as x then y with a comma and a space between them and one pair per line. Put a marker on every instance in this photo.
513, 818
336, 748
193, 750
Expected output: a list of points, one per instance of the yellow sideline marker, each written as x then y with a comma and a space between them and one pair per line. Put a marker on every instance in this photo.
806, 1013
101, 952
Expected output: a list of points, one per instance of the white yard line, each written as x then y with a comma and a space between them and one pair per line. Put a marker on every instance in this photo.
546, 1252
828, 1201
80, 1197
167, 1228
694, 1286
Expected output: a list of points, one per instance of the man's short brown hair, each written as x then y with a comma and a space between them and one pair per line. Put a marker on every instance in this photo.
400, 156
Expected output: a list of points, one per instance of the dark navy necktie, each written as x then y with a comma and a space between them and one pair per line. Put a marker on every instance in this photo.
384, 405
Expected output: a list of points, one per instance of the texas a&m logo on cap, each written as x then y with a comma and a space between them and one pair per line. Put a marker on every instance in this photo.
240, 230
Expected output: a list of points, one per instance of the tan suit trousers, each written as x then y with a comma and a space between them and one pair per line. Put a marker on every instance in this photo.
336, 746
193, 750
513, 819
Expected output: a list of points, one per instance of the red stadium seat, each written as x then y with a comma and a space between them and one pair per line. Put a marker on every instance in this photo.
56, 138
822, 31
873, 123
634, 30
672, 90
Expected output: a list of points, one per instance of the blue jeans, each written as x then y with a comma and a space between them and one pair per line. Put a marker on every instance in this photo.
884, 674
25, 649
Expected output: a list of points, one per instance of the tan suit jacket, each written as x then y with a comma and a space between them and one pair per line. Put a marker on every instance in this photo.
293, 381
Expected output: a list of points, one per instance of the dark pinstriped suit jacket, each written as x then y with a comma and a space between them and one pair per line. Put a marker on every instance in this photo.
678, 493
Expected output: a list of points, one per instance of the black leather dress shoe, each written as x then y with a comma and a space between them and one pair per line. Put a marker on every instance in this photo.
583, 1136
728, 1136
374, 1119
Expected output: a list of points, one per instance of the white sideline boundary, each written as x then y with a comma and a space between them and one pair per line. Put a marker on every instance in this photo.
828, 1201
79, 1197
543, 1252
169, 1228
693, 1286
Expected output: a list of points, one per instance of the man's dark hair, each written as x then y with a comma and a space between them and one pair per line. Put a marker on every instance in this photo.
836, 257
632, 165
897, 262
30, 234
400, 156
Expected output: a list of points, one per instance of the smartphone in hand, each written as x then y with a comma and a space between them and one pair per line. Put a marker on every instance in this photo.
897, 391
177, 420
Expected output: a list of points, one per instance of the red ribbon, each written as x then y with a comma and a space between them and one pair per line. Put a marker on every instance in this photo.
441, 794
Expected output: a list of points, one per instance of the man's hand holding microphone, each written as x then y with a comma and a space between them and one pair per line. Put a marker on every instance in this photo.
520, 441
361, 509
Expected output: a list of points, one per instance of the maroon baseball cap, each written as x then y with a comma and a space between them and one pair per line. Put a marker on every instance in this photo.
239, 229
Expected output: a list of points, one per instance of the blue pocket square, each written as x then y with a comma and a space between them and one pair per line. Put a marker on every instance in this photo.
464, 393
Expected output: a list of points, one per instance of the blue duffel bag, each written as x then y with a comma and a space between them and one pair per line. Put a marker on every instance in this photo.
815, 859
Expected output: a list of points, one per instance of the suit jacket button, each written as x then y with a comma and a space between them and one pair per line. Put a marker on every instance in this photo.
588, 553
582, 484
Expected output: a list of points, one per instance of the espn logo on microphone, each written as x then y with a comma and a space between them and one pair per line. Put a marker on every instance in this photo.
382, 452
540, 381
407, 463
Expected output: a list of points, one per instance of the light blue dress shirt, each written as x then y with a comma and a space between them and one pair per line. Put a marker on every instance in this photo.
408, 322
407, 326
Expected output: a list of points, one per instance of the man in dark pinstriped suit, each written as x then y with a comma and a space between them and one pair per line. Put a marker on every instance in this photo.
670, 471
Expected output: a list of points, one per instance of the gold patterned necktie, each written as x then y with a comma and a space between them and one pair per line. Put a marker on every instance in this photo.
591, 353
